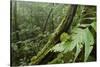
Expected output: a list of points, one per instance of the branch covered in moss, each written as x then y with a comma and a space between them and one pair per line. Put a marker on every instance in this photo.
64, 26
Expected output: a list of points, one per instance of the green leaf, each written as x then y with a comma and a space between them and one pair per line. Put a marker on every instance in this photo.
59, 47
89, 41
78, 50
67, 47
82, 36
94, 25
76, 37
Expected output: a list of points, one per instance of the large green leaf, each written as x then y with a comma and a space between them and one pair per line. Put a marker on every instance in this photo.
79, 38
83, 37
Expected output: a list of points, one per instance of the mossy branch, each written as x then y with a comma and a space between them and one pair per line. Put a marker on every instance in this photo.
64, 26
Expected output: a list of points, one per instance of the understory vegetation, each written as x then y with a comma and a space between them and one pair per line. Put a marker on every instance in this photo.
52, 33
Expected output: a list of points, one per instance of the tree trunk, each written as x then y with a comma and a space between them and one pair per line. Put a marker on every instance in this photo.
15, 21
45, 24
64, 26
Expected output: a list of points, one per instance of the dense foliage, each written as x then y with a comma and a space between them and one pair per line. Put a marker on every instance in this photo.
32, 25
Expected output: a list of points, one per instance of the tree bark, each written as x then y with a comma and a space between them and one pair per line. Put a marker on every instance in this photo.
63, 27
